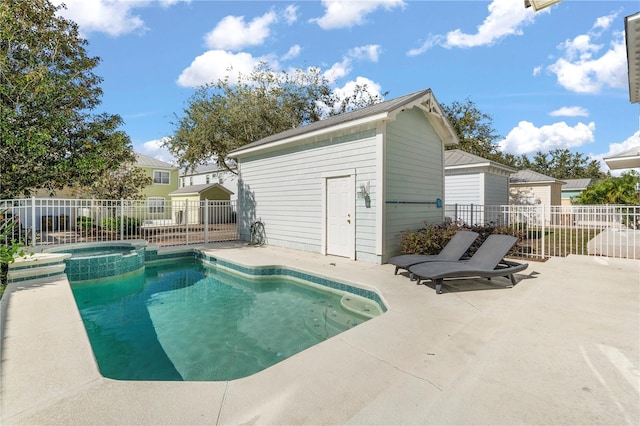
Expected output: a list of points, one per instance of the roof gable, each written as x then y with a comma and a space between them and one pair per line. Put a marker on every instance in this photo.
198, 189
423, 99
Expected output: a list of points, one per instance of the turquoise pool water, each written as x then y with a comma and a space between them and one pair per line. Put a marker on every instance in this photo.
189, 321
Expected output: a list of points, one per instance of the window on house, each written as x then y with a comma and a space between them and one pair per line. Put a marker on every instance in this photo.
155, 204
191, 181
208, 179
181, 181
161, 177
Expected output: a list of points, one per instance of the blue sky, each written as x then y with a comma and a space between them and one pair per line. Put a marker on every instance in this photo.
556, 78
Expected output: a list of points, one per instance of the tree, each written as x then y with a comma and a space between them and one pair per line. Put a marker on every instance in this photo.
474, 129
48, 136
562, 164
226, 115
126, 182
612, 190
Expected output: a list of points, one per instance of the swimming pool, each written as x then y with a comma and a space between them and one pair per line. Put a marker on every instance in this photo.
188, 320
90, 261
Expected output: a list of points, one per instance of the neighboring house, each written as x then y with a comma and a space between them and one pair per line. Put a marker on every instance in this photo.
210, 173
473, 180
164, 181
527, 187
351, 184
185, 202
629, 159
573, 188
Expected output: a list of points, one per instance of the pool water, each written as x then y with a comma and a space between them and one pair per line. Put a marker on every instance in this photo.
190, 321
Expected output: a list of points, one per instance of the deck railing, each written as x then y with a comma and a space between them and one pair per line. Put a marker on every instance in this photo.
599, 230
44, 221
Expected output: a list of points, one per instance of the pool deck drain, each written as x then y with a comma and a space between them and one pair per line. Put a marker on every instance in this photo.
561, 347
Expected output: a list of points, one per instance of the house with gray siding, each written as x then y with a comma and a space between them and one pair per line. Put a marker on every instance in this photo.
351, 184
471, 180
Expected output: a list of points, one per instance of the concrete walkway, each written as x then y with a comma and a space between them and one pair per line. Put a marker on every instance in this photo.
561, 347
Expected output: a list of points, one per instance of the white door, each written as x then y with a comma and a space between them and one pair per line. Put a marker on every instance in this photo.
340, 220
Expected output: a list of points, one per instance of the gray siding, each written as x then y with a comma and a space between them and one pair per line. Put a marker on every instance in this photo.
284, 190
414, 168
463, 188
496, 190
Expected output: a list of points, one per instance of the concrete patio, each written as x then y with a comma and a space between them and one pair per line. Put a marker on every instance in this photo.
561, 347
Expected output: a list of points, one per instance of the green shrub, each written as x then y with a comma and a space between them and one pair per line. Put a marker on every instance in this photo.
84, 223
131, 225
432, 238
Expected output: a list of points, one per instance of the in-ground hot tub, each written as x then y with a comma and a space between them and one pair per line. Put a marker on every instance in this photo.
91, 261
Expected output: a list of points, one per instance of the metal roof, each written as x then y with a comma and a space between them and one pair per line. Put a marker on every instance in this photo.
529, 176
379, 109
146, 161
457, 158
197, 189
632, 36
576, 184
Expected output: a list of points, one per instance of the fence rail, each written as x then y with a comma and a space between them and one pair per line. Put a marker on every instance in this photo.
546, 231
602, 230
44, 221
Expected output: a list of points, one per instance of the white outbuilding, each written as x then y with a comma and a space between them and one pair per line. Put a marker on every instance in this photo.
351, 184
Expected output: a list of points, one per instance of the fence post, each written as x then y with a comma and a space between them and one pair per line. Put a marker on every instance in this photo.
121, 219
206, 221
186, 221
471, 216
455, 212
544, 237
33, 221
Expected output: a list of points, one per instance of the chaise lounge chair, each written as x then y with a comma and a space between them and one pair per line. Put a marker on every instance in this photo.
487, 262
454, 250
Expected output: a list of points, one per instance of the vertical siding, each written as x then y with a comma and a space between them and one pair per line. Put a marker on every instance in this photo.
283, 189
414, 169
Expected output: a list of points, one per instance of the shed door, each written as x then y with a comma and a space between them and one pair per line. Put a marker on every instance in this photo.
340, 220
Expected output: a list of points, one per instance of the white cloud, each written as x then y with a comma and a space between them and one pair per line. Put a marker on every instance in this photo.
505, 18
340, 69
573, 111
348, 13
155, 149
581, 70
348, 89
113, 17
233, 33
370, 52
293, 52
536, 71
108, 16
527, 139
290, 14
215, 65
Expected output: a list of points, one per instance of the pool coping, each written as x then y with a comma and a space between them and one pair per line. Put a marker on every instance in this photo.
429, 359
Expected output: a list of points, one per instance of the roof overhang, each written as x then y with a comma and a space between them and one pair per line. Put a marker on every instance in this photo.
632, 35
540, 4
627, 162
488, 165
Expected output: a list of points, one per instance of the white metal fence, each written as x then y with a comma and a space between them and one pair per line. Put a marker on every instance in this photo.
600, 230
43, 221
